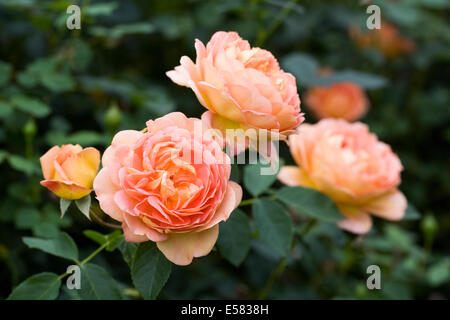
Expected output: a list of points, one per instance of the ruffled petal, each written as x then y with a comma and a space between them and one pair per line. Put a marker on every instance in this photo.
181, 248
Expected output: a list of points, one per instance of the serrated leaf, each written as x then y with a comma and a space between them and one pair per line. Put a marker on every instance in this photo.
64, 204
84, 205
310, 202
61, 246
274, 224
42, 286
255, 182
97, 284
150, 270
235, 237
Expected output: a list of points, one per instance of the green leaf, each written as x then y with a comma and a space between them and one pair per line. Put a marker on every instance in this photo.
95, 236
365, 80
5, 73
128, 250
58, 82
64, 205
235, 237
42, 286
255, 182
150, 270
30, 105
97, 284
114, 239
124, 29
97, 9
274, 224
411, 213
310, 202
84, 205
5, 109
22, 164
86, 138
302, 66
61, 246
439, 273
26, 218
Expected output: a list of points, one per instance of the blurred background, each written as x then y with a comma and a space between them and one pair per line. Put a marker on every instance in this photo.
62, 86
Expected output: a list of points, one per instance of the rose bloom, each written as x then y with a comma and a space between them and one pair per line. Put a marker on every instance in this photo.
348, 163
151, 183
242, 87
69, 170
386, 39
345, 100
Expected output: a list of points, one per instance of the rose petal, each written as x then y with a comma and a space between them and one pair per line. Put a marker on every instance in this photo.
294, 176
181, 248
391, 206
47, 160
105, 191
66, 190
357, 221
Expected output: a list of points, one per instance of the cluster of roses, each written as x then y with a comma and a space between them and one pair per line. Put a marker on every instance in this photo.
158, 194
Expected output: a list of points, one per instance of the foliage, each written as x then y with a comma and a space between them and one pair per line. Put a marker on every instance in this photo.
81, 86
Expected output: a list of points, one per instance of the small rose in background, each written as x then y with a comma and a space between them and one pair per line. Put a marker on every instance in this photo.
348, 163
242, 87
69, 170
151, 183
345, 100
387, 40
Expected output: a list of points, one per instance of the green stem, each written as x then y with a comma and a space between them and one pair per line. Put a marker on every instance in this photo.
89, 258
266, 33
273, 277
282, 264
93, 254
247, 202
311, 223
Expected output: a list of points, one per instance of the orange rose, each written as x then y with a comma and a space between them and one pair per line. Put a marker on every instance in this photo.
242, 87
348, 163
344, 100
169, 185
386, 39
69, 171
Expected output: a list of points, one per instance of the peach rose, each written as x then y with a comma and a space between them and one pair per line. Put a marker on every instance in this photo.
345, 100
69, 171
348, 163
151, 183
242, 87
387, 40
